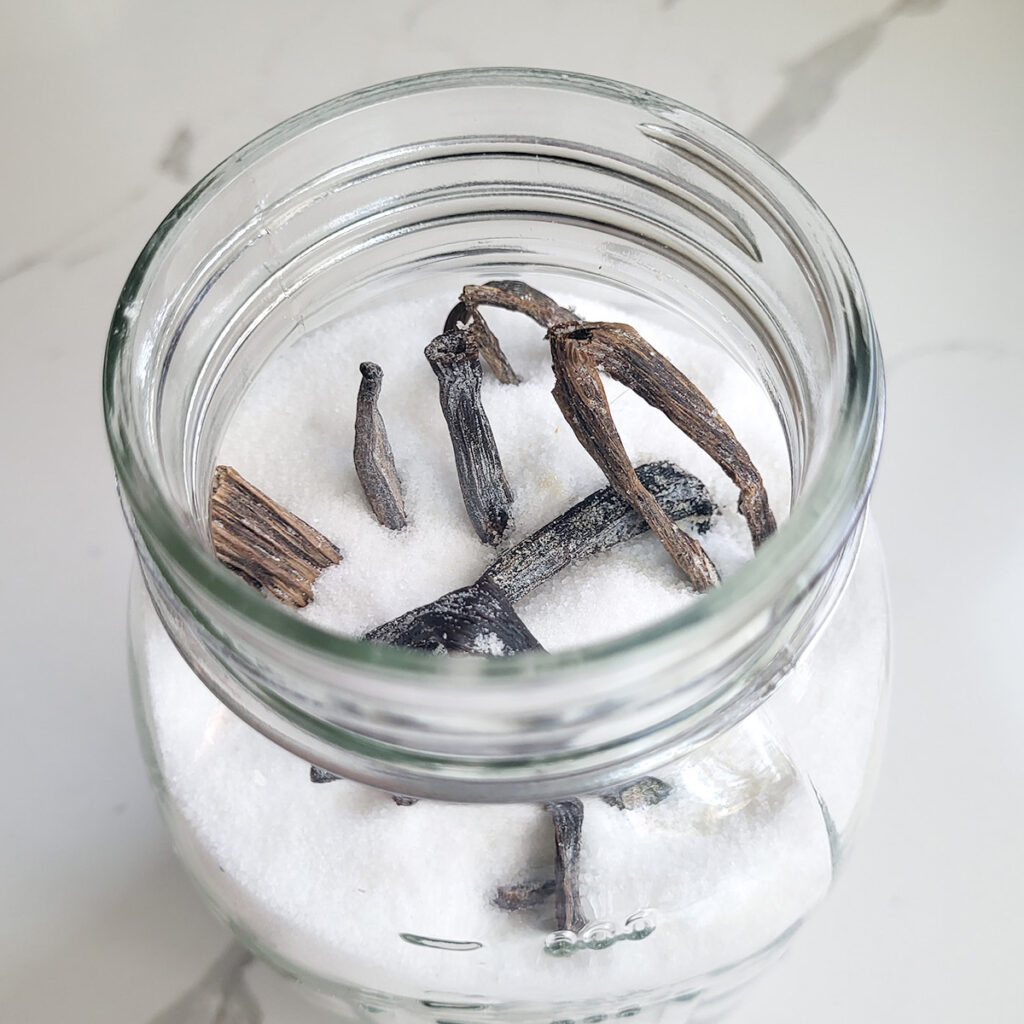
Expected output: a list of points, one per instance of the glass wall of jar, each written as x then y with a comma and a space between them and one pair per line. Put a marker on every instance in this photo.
711, 765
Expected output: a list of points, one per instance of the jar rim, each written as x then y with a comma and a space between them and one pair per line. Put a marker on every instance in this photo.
820, 522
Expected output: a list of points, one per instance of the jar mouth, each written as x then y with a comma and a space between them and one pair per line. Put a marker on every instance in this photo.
822, 518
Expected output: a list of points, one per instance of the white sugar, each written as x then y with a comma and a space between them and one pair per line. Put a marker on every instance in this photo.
330, 877
292, 437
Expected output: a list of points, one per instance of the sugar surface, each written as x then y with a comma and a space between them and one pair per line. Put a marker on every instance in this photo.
331, 876
292, 436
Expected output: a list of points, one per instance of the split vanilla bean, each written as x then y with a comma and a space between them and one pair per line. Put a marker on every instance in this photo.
374, 460
485, 491
623, 354
626, 357
265, 544
581, 397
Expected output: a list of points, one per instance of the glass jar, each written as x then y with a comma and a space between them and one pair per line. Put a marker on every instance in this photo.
718, 757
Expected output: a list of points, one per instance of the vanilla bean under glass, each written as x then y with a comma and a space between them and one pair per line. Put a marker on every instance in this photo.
697, 767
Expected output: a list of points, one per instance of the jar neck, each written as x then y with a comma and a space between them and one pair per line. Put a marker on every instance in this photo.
689, 209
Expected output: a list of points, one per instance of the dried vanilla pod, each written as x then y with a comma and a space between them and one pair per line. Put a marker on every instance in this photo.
567, 817
582, 399
520, 298
477, 619
645, 792
598, 522
265, 544
625, 356
321, 775
523, 895
486, 343
374, 460
485, 491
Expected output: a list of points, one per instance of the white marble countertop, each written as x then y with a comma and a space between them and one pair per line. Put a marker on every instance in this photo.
903, 119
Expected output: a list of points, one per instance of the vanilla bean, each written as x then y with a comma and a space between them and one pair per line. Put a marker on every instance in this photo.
477, 619
645, 792
485, 491
523, 895
625, 356
321, 775
582, 399
598, 522
374, 460
520, 298
484, 608
567, 817
483, 338
263, 543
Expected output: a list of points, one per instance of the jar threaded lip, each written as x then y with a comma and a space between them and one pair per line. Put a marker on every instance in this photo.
822, 520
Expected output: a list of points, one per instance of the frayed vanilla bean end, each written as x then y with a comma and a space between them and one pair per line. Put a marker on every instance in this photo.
265, 544
485, 491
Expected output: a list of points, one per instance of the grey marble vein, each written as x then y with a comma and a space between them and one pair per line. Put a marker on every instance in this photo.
221, 996
175, 159
812, 82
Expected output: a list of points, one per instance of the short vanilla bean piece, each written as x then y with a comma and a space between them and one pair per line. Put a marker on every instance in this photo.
483, 337
269, 547
567, 817
485, 491
645, 792
374, 460
523, 895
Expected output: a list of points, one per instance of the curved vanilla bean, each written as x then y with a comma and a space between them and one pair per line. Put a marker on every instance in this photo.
374, 460
624, 355
582, 399
567, 817
266, 545
486, 343
485, 491
520, 298
477, 619
596, 523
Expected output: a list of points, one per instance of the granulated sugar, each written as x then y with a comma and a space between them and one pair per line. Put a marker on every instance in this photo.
339, 879
292, 437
